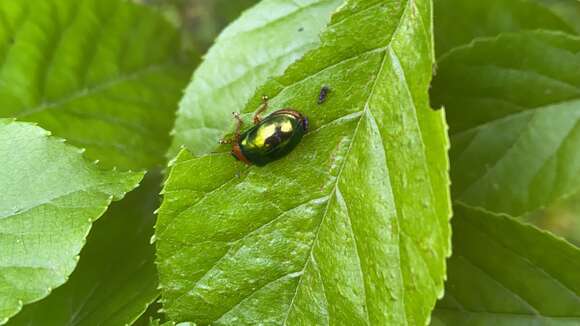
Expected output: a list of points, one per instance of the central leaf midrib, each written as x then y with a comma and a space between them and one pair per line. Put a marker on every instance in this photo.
365, 111
332, 195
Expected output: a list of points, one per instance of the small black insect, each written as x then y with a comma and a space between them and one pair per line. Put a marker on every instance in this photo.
323, 94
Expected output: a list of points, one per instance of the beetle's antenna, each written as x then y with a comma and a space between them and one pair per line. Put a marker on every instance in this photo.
261, 109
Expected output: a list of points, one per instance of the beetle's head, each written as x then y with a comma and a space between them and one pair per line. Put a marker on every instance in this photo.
305, 124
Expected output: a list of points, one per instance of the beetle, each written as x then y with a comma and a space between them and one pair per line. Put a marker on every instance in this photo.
270, 138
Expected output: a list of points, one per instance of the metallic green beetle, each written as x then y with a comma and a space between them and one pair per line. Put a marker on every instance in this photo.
270, 138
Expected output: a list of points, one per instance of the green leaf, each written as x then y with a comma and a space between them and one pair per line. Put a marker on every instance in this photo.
261, 44
104, 74
513, 105
115, 279
50, 197
493, 17
352, 227
506, 273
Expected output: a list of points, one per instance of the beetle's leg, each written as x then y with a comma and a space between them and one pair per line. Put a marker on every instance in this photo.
238, 127
236, 137
261, 109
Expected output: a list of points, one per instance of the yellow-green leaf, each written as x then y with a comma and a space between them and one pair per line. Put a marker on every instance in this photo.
352, 226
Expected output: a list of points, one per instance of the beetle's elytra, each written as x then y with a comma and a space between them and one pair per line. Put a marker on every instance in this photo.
270, 138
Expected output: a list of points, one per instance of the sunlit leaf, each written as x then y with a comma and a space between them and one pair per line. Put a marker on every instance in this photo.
115, 279
50, 198
351, 227
258, 46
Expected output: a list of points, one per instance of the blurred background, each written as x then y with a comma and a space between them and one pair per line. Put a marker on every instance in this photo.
562, 219
202, 20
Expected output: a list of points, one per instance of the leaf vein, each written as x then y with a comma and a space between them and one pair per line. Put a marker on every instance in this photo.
526, 259
95, 89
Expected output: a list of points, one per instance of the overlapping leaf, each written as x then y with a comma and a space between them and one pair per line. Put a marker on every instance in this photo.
115, 279
493, 17
103, 74
506, 273
50, 197
513, 105
259, 45
351, 227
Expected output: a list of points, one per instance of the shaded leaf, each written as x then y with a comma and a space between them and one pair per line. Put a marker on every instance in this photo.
259, 45
50, 197
91, 71
493, 17
513, 105
506, 273
352, 226
115, 279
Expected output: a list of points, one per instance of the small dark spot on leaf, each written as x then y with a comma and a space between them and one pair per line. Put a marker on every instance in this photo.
323, 94
301, 29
